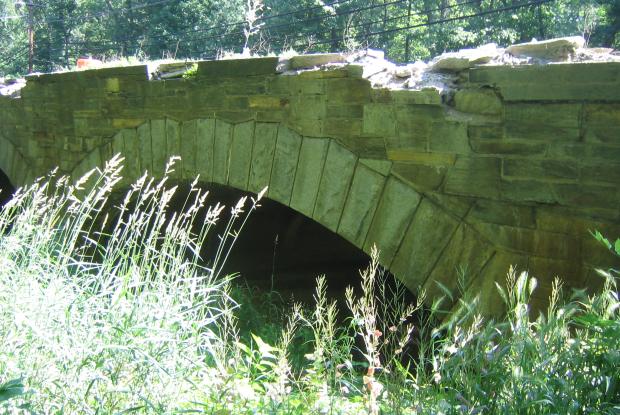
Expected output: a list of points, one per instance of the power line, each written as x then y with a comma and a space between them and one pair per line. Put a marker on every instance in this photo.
273, 30
175, 36
450, 19
113, 11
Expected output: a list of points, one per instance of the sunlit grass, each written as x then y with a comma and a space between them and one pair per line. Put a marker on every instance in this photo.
109, 310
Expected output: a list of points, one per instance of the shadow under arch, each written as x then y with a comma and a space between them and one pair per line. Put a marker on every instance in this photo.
6, 189
13, 164
358, 199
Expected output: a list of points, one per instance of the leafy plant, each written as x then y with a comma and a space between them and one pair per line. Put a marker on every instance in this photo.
11, 389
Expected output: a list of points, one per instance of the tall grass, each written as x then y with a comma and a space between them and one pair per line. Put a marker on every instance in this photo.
113, 311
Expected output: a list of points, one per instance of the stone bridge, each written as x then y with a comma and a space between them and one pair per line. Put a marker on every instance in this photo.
514, 166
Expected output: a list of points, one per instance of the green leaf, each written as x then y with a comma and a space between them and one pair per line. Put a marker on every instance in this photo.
263, 347
617, 246
11, 389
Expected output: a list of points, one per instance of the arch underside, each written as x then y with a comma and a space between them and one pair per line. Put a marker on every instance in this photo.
358, 199
13, 163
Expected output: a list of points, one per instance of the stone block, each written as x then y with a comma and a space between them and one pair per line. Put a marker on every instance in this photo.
380, 120
485, 132
349, 71
266, 102
233, 68
271, 116
567, 75
540, 169
173, 146
241, 155
506, 147
265, 135
449, 137
308, 177
335, 181
396, 207
381, 166
189, 133
427, 96
557, 115
112, 86
280, 85
540, 132
309, 106
495, 272
602, 134
560, 91
607, 153
285, 160
236, 103
301, 86
205, 138
316, 59
307, 126
221, 151
126, 122
474, 176
466, 251
421, 176
527, 190
348, 91
587, 196
345, 111
359, 209
560, 219
367, 147
530, 241
343, 127
421, 157
423, 243
131, 151
600, 173
249, 86
413, 140
503, 213
234, 117
146, 149
546, 270
574, 151
552, 49
478, 101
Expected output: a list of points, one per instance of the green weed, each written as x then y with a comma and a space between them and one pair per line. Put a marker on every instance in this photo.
111, 314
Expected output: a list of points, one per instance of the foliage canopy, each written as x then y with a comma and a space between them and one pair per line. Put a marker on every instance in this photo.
406, 29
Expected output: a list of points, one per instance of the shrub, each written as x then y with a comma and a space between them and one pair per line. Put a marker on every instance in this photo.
116, 313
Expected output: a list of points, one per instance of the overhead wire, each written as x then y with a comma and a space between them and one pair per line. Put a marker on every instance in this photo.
445, 20
175, 37
136, 44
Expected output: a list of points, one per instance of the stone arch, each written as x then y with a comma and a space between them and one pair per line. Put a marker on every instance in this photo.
13, 163
359, 199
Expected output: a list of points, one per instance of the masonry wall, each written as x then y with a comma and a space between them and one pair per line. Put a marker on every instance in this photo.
514, 167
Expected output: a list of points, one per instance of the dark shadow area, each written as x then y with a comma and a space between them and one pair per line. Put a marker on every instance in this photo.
277, 258
282, 250
6, 189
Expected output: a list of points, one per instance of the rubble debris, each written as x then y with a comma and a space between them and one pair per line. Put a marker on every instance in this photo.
314, 60
169, 70
560, 49
11, 87
442, 74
